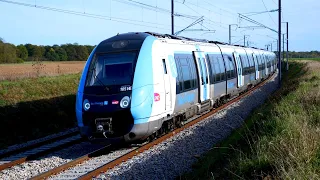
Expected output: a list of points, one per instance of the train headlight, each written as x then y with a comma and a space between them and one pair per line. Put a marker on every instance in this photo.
125, 101
86, 105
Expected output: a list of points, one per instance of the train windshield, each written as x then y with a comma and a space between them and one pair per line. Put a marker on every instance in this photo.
111, 69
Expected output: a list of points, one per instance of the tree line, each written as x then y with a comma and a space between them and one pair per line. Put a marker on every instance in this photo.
306, 54
9, 53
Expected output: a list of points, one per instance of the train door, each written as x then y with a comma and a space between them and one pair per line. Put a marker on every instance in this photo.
239, 69
167, 85
202, 66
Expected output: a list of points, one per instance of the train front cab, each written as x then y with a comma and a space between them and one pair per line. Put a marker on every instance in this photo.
122, 90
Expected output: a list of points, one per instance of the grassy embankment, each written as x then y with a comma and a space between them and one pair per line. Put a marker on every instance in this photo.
280, 140
35, 107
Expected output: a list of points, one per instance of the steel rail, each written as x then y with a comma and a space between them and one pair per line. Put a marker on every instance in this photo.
38, 144
72, 163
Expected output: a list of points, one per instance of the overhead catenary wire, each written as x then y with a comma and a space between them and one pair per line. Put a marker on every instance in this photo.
206, 19
261, 12
274, 2
90, 15
268, 12
153, 8
207, 24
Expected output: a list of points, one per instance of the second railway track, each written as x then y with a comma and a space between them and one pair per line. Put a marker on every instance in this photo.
93, 164
37, 151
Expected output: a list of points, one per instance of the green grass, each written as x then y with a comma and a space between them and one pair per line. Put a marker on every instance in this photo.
36, 107
281, 139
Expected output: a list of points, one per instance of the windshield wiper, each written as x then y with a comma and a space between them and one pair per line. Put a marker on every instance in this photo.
96, 77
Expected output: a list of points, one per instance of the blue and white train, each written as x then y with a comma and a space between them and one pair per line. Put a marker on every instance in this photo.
138, 85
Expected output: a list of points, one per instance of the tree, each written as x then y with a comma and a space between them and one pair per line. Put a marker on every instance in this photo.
51, 55
62, 54
37, 52
71, 51
82, 53
8, 53
29, 48
90, 48
22, 52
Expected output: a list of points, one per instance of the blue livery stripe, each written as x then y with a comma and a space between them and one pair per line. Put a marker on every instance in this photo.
142, 89
173, 66
79, 96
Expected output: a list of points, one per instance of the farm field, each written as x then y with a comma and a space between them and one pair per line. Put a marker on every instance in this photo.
35, 69
280, 140
31, 108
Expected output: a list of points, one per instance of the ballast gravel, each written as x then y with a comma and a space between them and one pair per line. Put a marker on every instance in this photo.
175, 156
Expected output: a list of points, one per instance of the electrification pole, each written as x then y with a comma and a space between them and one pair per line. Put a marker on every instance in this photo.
279, 42
244, 40
287, 47
230, 34
283, 60
271, 47
172, 17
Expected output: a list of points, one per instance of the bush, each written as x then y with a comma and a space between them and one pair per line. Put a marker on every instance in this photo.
19, 60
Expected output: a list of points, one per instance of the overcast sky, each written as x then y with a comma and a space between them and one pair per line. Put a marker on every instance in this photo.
21, 24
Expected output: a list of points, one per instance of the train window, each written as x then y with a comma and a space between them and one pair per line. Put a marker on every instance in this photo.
222, 68
245, 64
263, 61
212, 71
217, 65
186, 73
192, 65
230, 67
164, 66
179, 84
269, 61
259, 63
206, 74
187, 78
111, 69
251, 64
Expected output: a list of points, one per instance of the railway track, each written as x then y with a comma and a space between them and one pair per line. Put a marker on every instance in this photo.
101, 160
35, 150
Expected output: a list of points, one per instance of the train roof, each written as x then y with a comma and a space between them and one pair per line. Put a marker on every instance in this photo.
169, 36
140, 36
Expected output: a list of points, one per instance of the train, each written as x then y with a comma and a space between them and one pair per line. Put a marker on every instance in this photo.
136, 86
